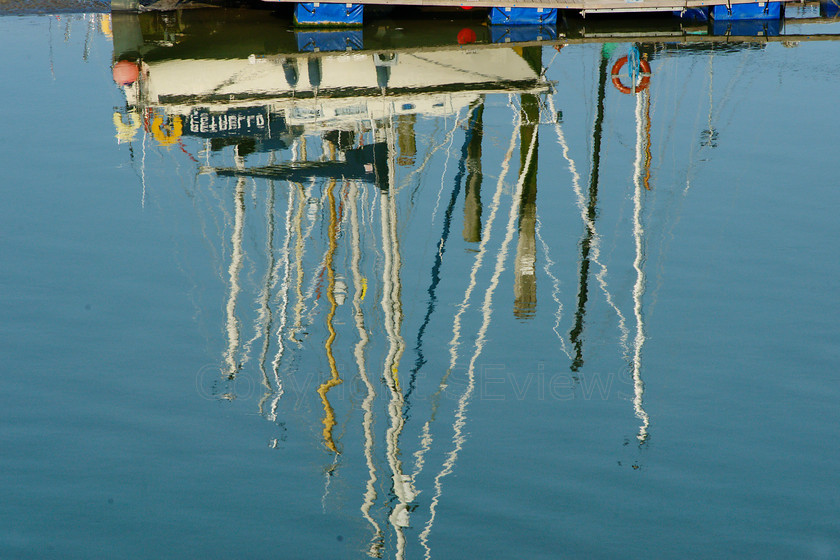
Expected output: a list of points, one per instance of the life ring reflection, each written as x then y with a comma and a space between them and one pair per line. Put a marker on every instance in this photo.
644, 83
126, 130
169, 132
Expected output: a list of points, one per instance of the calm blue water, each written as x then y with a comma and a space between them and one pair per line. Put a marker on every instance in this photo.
461, 302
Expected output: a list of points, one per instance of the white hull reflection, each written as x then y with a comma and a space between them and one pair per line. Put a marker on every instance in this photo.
324, 92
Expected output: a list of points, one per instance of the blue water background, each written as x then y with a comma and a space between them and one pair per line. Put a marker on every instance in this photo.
116, 439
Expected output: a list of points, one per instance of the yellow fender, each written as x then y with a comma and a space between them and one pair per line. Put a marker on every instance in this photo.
167, 134
126, 131
105, 25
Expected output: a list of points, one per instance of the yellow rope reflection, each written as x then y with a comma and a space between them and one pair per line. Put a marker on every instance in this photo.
334, 380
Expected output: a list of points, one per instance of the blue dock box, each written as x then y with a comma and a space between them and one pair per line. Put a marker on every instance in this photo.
697, 15
523, 16
830, 9
329, 41
736, 12
522, 33
747, 28
323, 14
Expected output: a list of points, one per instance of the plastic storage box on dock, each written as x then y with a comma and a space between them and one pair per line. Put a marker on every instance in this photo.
329, 41
319, 13
523, 16
735, 12
522, 33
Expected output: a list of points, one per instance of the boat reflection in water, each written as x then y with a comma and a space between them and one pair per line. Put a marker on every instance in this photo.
324, 156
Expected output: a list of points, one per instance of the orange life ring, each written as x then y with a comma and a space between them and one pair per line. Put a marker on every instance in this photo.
644, 66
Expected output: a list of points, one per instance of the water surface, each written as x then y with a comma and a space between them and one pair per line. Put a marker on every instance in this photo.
414, 298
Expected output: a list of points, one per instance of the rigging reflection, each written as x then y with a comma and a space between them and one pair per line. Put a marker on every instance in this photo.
337, 264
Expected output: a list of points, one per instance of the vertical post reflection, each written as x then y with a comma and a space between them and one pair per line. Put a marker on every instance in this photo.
472, 197
407, 140
525, 280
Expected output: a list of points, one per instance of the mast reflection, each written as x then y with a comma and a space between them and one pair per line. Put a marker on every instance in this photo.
525, 283
351, 136
591, 213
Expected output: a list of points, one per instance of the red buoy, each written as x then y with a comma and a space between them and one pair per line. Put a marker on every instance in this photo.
466, 36
126, 73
